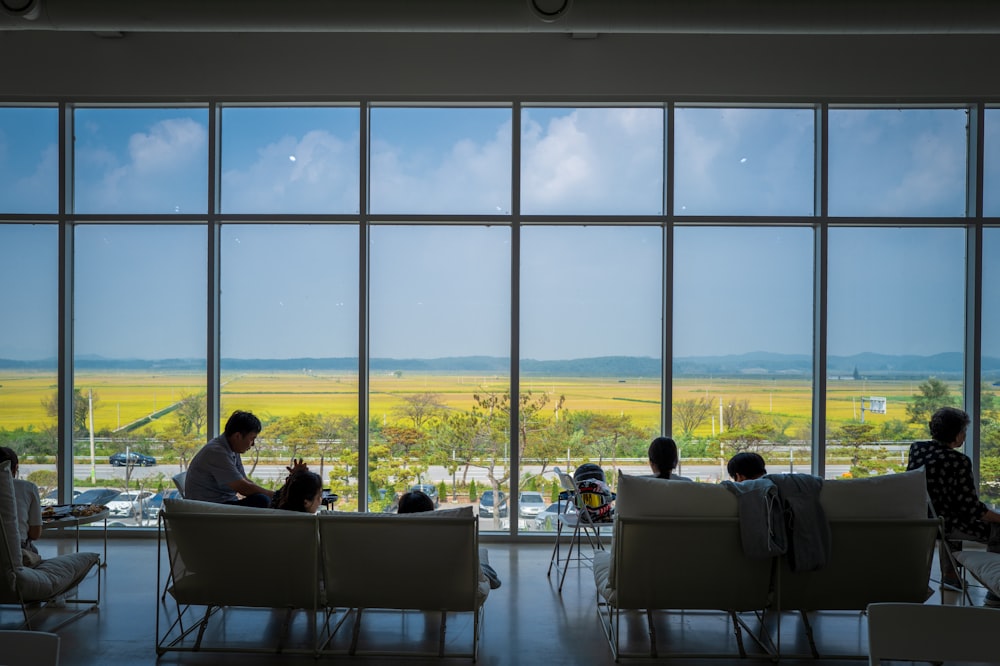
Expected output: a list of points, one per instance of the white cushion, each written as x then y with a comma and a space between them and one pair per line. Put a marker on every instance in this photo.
54, 576
902, 495
646, 496
8, 514
984, 565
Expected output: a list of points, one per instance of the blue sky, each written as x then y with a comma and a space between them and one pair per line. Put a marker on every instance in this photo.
292, 290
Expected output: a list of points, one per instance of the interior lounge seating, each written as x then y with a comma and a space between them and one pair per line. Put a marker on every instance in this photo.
47, 587
330, 566
882, 547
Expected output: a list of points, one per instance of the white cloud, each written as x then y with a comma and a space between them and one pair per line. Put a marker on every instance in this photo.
163, 170
322, 178
594, 161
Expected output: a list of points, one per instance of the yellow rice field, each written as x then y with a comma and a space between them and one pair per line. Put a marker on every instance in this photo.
124, 397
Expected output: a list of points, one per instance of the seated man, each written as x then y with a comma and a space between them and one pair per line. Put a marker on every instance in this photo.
216, 473
746, 466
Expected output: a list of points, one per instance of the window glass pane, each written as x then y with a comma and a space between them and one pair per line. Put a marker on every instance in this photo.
290, 160
743, 311
898, 162
140, 160
896, 313
139, 306
989, 462
591, 312
28, 350
29, 160
444, 161
991, 163
440, 350
592, 161
744, 161
289, 345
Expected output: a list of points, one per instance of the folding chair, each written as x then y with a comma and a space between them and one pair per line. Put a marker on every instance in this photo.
573, 514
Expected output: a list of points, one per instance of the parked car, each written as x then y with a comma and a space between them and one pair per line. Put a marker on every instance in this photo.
486, 504
52, 497
152, 509
547, 519
428, 489
96, 496
120, 459
530, 504
131, 504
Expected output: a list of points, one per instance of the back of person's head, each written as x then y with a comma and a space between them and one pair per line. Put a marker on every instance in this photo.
415, 501
7, 453
242, 422
300, 490
663, 456
947, 424
746, 465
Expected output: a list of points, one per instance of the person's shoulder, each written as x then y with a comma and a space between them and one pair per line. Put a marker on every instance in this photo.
25, 484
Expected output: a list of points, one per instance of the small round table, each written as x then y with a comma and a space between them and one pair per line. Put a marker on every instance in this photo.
64, 519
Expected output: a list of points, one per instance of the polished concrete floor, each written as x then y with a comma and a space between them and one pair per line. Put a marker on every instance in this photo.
527, 621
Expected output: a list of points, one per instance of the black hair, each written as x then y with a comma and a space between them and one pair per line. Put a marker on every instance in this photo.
947, 424
7, 453
242, 422
300, 488
415, 501
747, 464
663, 454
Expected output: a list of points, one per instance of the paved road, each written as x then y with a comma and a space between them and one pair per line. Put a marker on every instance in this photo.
701, 472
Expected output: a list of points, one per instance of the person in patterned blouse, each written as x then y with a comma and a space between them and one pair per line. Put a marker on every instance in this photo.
951, 485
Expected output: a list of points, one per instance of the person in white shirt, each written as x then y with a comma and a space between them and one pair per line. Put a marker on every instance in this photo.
29, 506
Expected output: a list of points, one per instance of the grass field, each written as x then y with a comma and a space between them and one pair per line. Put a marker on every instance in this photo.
124, 397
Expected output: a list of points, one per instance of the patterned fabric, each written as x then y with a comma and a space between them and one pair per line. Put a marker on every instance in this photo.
951, 486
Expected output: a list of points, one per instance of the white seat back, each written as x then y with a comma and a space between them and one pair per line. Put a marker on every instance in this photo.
249, 558
420, 561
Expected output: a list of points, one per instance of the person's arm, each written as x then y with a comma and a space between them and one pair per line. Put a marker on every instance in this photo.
34, 516
246, 488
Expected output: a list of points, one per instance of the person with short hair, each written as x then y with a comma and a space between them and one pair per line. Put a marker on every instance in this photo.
216, 472
952, 486
415, 501
29, 505
745, 466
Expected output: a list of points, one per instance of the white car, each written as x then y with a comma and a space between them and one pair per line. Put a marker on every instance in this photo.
530, 504
549, 517
130, 504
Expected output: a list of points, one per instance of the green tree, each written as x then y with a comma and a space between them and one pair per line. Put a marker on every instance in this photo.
934, 394
81, 409
192, 414
45, 479
867, 457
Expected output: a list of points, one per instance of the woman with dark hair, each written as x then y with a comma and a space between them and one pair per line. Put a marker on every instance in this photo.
663, 457
303, 491
952, 487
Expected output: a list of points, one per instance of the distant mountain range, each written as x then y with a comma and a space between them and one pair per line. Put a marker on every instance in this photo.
868, 365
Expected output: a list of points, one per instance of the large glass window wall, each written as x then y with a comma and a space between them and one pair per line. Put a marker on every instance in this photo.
464, 297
